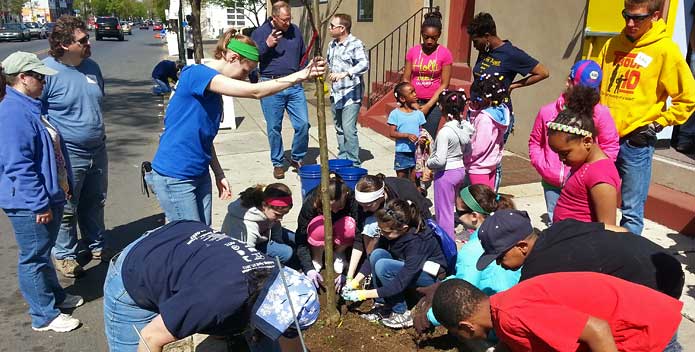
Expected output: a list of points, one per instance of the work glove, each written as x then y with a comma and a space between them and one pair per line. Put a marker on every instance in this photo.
354, 295
315, 278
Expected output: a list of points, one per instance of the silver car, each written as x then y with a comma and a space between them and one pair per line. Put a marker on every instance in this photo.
14, 31
36, 30
126, 27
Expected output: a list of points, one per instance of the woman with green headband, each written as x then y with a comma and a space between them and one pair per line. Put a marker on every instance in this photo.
473, 205
179, 176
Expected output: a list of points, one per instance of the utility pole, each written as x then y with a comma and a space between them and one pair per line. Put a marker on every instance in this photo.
182, 47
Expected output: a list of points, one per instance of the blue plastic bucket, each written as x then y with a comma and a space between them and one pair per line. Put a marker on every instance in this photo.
335, 164
351, 175
310, 177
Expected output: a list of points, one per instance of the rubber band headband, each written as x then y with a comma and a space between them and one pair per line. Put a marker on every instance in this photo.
246, 50
470, 201
368, 197
568, 129
279, 201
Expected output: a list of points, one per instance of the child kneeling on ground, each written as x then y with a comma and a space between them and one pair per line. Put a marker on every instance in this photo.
408, 255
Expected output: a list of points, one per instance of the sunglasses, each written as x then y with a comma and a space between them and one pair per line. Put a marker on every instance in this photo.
83, 41
37, 76
635, 18
460, 213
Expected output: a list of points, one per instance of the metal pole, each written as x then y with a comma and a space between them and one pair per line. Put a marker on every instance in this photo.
182, 47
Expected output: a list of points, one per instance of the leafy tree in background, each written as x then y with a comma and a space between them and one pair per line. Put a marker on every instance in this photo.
252, 7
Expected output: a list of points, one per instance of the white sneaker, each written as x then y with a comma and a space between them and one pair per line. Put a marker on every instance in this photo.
339, 263
62, 323
70, 301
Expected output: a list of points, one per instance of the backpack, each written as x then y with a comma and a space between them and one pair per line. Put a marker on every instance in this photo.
447, 243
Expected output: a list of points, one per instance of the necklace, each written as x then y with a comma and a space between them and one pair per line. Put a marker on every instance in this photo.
425, 81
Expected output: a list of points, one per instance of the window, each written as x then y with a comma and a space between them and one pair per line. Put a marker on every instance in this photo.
365, 10
240, 17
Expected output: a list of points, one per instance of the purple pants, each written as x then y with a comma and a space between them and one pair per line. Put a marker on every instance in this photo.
445, 184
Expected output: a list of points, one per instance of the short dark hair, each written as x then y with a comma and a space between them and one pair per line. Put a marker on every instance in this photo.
345, 21
482, 24
453, 102
456, 300
399, 212
63, 34
652, 5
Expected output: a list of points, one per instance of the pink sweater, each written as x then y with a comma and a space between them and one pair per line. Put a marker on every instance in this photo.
546, 161
487, 142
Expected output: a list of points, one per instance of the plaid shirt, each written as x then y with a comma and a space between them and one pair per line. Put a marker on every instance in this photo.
347, 56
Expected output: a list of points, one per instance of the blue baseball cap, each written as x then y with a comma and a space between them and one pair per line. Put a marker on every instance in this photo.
500, 232
586, 73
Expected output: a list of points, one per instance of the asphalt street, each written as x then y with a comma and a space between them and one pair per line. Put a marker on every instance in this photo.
132, 121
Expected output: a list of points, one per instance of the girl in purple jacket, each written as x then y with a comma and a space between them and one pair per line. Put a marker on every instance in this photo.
585, 74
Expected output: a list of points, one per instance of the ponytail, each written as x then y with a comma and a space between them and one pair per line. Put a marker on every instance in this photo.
398, 213
486, 199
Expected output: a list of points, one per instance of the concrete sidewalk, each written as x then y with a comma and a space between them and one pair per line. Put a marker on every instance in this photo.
244, 155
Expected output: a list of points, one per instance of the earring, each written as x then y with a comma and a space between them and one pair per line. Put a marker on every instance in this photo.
487, 47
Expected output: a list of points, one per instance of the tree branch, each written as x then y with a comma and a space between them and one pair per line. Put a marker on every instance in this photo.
326, 19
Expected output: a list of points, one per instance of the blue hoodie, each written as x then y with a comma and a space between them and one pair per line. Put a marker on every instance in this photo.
28, 169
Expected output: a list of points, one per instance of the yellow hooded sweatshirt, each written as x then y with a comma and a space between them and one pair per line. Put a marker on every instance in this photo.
639, 76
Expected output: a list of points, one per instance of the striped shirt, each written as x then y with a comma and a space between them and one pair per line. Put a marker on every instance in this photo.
347, 56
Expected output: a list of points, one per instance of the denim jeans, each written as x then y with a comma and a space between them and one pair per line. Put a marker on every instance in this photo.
37, 277
293, 100
432, 119
86, 208
283, 248
160, 87
189, 199
686, 131
385, 269
551, 197
345, 120
121, 313
635, 169
674, 345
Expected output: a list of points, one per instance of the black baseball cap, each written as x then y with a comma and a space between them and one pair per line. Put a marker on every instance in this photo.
500, 232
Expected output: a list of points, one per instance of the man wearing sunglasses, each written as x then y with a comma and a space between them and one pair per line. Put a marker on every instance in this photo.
642, 67
72, 100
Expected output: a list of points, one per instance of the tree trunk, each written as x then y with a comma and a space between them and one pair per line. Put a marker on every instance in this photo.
197, 33
332, 313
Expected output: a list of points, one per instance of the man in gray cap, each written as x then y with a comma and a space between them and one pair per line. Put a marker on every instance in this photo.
570, 245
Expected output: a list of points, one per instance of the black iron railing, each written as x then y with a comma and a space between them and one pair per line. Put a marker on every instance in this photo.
387, 57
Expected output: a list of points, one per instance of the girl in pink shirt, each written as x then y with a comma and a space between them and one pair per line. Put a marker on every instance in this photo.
490, 118
591, 191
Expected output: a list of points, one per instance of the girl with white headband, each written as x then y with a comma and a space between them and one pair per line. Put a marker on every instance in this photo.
591, 191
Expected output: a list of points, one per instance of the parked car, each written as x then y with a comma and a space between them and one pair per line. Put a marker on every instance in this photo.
144, 25
48, 26
36, 30
157, 27
108, 27
14, 31
126, 28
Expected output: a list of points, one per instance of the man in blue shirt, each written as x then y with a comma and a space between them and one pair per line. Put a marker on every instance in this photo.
72, 100
164, 71
281, 47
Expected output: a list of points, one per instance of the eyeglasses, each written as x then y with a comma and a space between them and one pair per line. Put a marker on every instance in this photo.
37, 76
332, 26
635, 18
287, 20
83, 41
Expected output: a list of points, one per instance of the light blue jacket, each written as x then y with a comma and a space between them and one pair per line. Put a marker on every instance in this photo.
28, 169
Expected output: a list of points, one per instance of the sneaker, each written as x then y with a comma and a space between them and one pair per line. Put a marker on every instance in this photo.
377, 313
278, 172
339, 263
398, 320
69, 267
70, 301
62, 323
103, 254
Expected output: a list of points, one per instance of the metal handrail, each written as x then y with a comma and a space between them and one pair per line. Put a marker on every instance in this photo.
383, 75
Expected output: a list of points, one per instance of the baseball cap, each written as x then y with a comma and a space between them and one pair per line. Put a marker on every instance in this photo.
586, 73
500, 232
21, 61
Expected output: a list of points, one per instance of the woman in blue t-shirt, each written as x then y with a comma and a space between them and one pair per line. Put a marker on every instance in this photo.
179, 175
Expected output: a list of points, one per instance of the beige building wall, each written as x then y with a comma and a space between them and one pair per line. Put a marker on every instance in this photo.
551, 32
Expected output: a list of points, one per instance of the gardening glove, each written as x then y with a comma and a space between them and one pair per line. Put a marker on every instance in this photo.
315, 278
339, 282
352, 284
354, 295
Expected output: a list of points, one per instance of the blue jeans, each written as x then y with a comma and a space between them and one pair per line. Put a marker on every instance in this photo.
86, 208
37, 277
674, 345
432, 119
551, 197
160, 87
635, 169
345, 120
293, 100
189, 199
277, 247
385, 269
686, 131
121, 313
